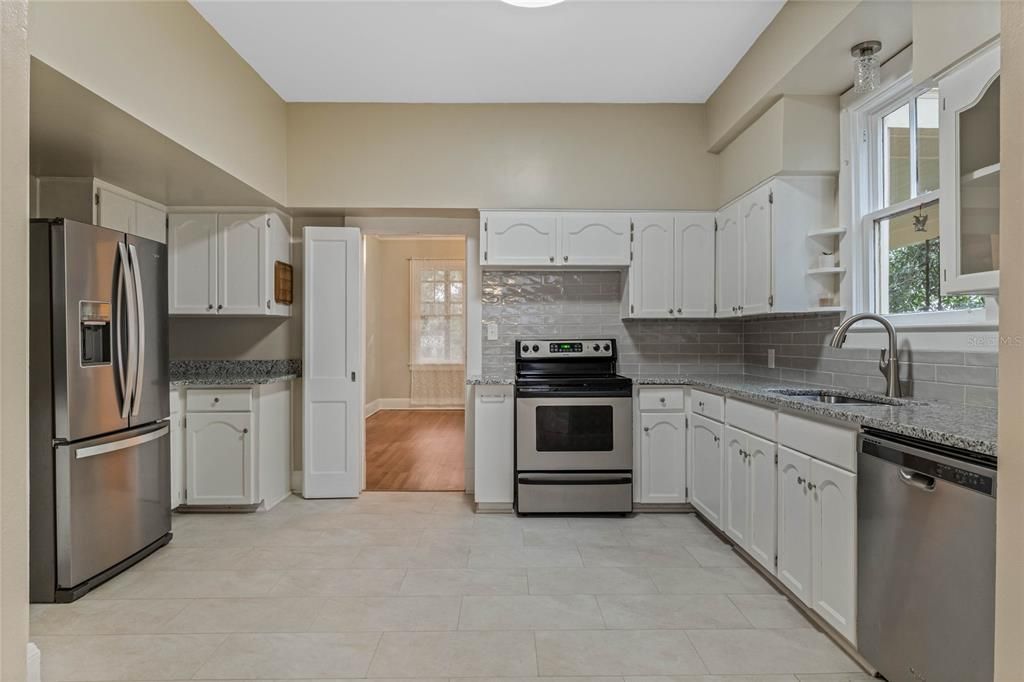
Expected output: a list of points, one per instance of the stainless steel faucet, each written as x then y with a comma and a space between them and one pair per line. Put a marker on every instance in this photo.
888, 365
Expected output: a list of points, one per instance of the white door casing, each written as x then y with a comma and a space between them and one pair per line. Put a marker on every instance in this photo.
332, 383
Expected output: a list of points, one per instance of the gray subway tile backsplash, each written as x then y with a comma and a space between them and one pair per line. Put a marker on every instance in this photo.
586, 304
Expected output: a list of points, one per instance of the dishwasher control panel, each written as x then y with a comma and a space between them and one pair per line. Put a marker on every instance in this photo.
931, 465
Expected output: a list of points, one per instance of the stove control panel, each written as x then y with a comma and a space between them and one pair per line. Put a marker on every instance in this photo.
575, 348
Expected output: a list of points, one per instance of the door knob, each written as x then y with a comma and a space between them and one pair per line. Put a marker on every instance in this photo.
647, 428
551, 259
220, 307
216, 400
209, 307
245, 430
565, 258
662, 399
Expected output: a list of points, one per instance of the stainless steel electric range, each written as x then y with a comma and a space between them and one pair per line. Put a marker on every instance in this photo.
574, 428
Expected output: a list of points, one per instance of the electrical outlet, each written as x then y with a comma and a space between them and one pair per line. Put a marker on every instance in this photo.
492, 331
771, 358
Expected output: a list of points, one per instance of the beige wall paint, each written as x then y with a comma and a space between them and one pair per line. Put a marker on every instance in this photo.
163, 64
372, 293
798, 134
1010, 504
750, 88
14, 105
946, 32
387, 360
489, 156
227, 338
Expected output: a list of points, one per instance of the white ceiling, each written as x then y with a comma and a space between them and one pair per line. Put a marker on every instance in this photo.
487, 51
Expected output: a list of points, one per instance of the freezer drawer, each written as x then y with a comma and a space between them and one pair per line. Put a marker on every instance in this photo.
112, 500
540, 493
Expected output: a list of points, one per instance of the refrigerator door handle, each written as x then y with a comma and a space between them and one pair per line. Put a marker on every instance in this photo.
129, 377
140, 355
94, 450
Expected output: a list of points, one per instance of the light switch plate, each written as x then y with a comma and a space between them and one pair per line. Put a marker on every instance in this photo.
492, 331
771, 358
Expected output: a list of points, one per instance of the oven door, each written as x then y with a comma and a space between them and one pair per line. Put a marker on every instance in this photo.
574, 434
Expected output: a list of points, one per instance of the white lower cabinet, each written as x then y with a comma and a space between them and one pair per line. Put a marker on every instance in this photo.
817, 521
493, 446
220, 458
177, 438
749, 515
706, 464
662, 458
237, 445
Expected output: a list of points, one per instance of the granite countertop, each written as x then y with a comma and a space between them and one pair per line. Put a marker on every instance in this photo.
968, 428
489, 380
233, 372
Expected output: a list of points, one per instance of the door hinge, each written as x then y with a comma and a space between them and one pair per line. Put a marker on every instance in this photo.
716, 224
716, 307
268, 222
485, 255
771, 300
771, 196
943, 274
184, 422
167, 222
776, 458
776, 561
864, 135
943, 103
631, 308
353, 376
686, 421
631, 255
485, 224
686, 491
96, 198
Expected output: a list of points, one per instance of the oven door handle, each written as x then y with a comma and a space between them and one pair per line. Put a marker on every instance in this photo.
575, 479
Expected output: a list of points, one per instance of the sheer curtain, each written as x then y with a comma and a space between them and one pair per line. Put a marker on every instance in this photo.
437, 332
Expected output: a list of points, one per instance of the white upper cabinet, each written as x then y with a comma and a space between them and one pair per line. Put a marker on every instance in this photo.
594, 239
241, 239
673, 270
554, 238
224, 263
520, 239
94, 201
705, 464
662, 458
969, 176
755, 213
728, 267
695, 264
651, 276
192, 263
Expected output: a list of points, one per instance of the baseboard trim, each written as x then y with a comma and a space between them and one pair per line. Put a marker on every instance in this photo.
494, 508
374, 406
297, 482
673, 508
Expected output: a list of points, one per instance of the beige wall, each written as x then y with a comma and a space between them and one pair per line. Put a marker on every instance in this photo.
163, 64
387, 336
226, 338
14, 75
1010, 504
945, 32
489, 156
798, 134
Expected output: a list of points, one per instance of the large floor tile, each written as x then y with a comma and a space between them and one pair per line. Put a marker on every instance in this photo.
455, 654
770, 651
472, 537
340, 582
726, 580
464, 581
506, 521
564, 612
636, 556
617, 652
837, 677
590, 580
180, 558
301, 558
401, 537
716, 678
634, 521
770, 611
636, 611
288, 656
570, 537
105, 616
528, 557
179, 584
124, 657
666, 537
715, 556
380, 614
278, 614
411, 557
688, 521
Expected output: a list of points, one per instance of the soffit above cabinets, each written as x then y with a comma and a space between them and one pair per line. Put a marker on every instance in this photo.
488, 51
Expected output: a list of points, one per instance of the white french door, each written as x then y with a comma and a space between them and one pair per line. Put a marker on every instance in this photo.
332, 397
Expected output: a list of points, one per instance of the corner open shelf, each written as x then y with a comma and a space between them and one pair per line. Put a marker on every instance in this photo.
828, 232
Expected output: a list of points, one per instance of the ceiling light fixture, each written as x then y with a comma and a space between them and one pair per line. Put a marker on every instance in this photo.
865, 65
532, 4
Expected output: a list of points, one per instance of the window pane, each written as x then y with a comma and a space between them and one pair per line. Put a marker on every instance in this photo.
928, 141
896, 156
908, 266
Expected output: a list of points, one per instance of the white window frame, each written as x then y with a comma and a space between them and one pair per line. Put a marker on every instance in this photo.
862, 191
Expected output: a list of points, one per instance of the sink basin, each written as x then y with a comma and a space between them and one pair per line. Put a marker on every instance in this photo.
830, 397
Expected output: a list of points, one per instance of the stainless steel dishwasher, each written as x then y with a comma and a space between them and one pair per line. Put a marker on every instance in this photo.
926, 539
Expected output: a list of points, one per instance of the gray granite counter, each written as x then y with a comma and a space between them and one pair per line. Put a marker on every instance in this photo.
968, 428
233, 372
489, 380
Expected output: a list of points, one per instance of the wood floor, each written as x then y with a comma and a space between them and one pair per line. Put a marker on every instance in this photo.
415, 450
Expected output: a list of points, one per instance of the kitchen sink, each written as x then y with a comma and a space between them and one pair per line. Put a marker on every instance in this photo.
830, 397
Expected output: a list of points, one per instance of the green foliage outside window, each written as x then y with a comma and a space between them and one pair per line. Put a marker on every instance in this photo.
914, 273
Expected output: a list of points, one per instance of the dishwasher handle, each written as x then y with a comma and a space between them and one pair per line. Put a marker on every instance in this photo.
916, 480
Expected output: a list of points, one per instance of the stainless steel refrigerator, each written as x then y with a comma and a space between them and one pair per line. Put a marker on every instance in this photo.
99, 466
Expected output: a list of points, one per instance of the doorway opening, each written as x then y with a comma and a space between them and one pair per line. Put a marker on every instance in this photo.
415, 342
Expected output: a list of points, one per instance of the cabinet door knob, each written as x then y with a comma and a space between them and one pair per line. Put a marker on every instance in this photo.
552, 259
800, 480
662, 399
220, 307
209, 307
811, 486
245, 430
216, 400
647, 428
565, 258
716, 439
679, 310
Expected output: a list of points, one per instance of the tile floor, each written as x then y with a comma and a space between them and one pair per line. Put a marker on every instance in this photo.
414, 585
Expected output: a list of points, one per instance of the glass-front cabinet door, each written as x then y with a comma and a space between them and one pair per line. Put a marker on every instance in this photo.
969, 167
